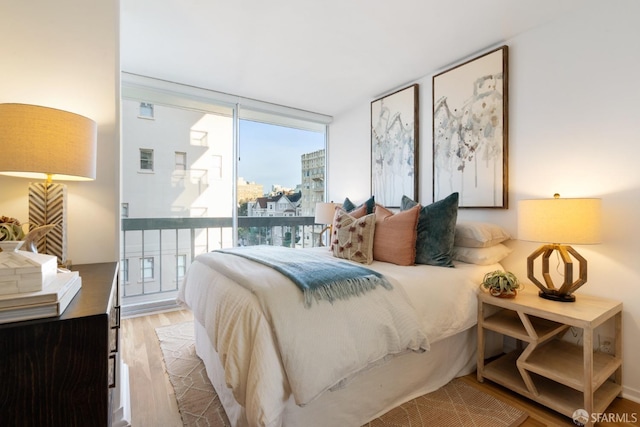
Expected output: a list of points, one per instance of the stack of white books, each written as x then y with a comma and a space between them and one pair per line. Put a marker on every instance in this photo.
51, 301
22, 271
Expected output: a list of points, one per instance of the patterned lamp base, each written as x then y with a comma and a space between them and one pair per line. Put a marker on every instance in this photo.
48, 205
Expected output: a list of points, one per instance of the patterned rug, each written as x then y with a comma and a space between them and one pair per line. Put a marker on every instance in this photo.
197, 400
455, 404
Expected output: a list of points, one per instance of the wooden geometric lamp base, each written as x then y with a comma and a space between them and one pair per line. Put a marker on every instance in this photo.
328, 227
550, 291
48, 205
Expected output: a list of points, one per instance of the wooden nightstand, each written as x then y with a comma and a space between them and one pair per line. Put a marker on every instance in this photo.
558, 374
61, 371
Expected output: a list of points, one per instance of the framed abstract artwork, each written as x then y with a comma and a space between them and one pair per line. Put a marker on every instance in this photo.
470, 131
394, 146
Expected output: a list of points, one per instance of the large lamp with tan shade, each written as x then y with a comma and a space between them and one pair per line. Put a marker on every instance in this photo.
324, 213
559, 222
50, 144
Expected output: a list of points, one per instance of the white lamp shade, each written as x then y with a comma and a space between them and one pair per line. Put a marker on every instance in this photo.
325, 213
38, 142
561, 221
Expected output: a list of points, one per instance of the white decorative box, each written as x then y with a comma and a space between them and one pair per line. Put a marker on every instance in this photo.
22, 271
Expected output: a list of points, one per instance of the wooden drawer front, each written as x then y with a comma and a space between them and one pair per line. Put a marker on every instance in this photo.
53, 372
114, 329
114, 335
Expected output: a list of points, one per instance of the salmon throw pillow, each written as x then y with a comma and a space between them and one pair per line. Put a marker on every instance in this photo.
395, 237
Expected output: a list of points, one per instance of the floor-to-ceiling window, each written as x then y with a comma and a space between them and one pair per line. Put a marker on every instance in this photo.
281, 173
202, 171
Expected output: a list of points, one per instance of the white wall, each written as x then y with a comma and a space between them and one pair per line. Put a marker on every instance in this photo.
65, 55
574, 122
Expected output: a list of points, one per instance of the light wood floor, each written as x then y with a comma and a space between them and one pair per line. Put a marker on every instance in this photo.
153, 403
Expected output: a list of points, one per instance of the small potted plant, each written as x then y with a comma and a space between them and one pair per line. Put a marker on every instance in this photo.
502, 284
11, 234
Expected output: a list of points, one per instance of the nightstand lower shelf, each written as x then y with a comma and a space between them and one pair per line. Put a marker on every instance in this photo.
556, 396
553, 360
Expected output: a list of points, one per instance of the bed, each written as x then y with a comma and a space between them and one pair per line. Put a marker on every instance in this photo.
247, 358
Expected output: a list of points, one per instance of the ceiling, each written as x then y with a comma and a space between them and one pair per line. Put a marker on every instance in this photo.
324, 56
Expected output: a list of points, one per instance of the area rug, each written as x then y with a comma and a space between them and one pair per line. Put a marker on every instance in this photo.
455, 404
198, 402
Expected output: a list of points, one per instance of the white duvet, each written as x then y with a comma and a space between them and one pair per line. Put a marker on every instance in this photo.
271, 346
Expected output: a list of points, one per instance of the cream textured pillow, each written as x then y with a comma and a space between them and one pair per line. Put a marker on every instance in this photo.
352, 238
473, 234
481, 256
395, 236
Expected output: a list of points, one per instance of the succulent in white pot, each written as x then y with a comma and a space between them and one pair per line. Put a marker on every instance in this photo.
14, 237
10, 229
11, 234
501, 283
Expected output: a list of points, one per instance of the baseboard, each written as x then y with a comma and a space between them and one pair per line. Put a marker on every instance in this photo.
631, 394
143, 309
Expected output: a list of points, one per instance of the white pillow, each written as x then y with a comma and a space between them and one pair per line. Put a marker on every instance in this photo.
473, 234
481, 256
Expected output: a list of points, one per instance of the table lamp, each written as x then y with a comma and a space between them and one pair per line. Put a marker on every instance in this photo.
41, 142
324, 215
561, 221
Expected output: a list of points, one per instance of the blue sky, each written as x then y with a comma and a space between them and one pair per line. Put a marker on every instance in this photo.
270, 154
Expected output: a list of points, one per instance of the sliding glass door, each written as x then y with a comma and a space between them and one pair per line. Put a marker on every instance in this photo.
201, 173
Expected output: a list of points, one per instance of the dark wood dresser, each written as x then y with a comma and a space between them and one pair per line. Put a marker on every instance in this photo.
61, 371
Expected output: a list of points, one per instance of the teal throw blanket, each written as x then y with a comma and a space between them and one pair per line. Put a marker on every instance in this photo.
319, 278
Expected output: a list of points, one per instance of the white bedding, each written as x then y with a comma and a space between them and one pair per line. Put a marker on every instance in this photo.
442, 301
369, 395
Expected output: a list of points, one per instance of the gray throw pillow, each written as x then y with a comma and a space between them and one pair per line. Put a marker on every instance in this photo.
436, 230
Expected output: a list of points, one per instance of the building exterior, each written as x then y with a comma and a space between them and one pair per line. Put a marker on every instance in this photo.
248, 191
279, 205
177, 163
313, 182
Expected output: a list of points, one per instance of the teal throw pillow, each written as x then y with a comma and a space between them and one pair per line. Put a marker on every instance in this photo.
348, 205
436, 230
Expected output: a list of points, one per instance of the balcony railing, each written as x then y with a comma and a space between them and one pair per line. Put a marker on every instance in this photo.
156, 252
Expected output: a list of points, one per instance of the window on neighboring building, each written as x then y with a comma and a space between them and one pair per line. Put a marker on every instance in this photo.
181, 265
146, 111
146, 159
124, 212
146, 268
124, 270
181, 161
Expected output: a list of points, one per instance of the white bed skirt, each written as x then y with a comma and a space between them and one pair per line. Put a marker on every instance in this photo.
369, 394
